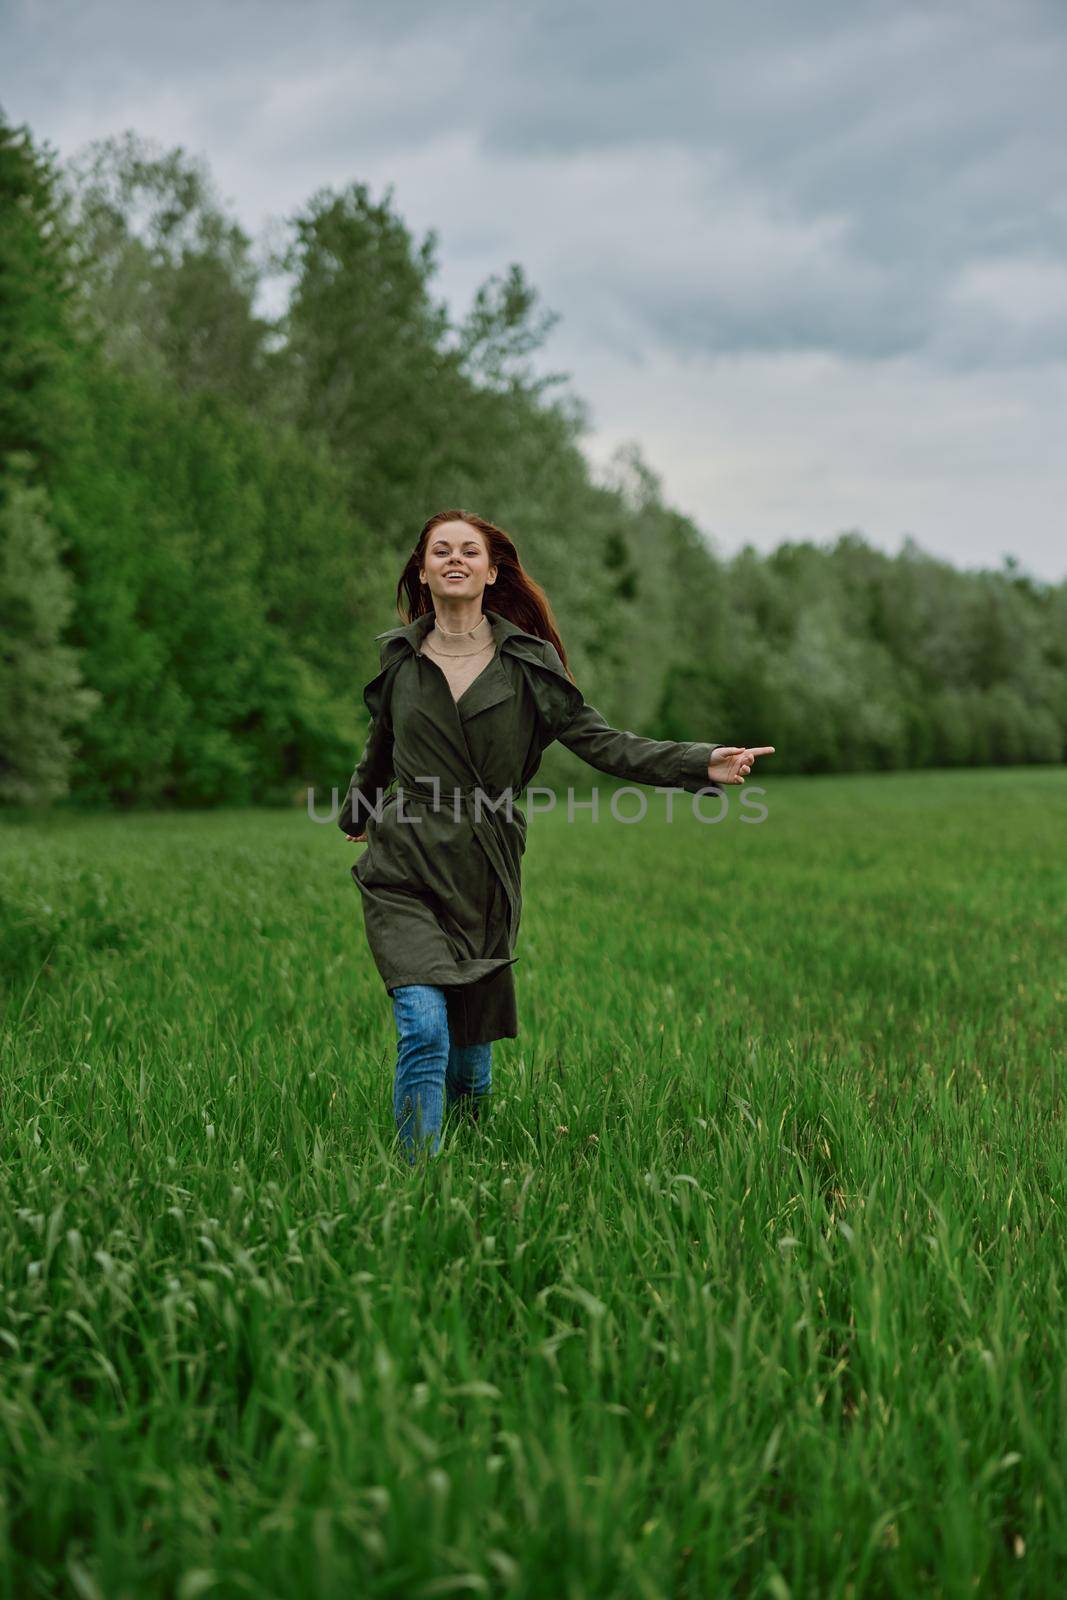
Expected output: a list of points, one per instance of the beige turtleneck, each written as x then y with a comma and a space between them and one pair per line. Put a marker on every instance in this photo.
460, 656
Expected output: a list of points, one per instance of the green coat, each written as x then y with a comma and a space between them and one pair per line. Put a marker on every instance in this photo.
442, 895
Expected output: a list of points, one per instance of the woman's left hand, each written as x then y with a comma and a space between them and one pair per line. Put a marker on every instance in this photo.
731, 763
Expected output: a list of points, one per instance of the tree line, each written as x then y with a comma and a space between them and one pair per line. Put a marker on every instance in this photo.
204, 510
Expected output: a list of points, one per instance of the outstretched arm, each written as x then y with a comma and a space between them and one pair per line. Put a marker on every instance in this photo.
630, 756
692, 765
634, 758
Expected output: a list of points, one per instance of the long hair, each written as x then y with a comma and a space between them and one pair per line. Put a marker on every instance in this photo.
514, 594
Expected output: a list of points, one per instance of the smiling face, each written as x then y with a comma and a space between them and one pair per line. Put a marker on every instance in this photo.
456, 548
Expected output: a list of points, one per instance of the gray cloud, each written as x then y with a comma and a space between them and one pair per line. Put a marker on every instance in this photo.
705, 189
915, 140
849, 167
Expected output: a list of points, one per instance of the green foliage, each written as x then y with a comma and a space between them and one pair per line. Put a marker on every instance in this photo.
201, 606
167, 280
42, 696
37, 323
505, 324
365, 345
847, 659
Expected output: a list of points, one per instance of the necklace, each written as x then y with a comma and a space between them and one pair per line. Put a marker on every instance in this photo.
449, 641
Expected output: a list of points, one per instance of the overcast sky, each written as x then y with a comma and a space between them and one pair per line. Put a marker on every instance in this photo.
811, 256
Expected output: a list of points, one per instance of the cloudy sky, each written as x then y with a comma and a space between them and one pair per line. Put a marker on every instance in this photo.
811, 256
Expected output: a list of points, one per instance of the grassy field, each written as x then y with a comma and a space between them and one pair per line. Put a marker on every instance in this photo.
752, 1283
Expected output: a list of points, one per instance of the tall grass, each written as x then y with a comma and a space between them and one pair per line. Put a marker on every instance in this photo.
752, 1282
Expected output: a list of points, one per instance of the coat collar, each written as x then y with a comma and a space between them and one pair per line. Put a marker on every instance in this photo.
492, 684
504, 632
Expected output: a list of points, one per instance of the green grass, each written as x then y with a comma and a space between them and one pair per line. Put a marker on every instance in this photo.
752, 1283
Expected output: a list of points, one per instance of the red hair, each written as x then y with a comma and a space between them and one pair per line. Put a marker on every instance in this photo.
515, 594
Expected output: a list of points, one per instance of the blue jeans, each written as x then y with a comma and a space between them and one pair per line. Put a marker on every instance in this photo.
434, 1077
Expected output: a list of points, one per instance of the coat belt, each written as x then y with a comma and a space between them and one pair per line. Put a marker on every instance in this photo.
443, 796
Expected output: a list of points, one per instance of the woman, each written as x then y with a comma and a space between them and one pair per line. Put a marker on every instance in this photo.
465, 703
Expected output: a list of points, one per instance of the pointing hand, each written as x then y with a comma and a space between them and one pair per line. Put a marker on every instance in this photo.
731, 763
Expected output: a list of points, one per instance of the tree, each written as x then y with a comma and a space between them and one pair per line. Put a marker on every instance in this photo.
365, 345
42, 696
37, 324
504, 325
168, 280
